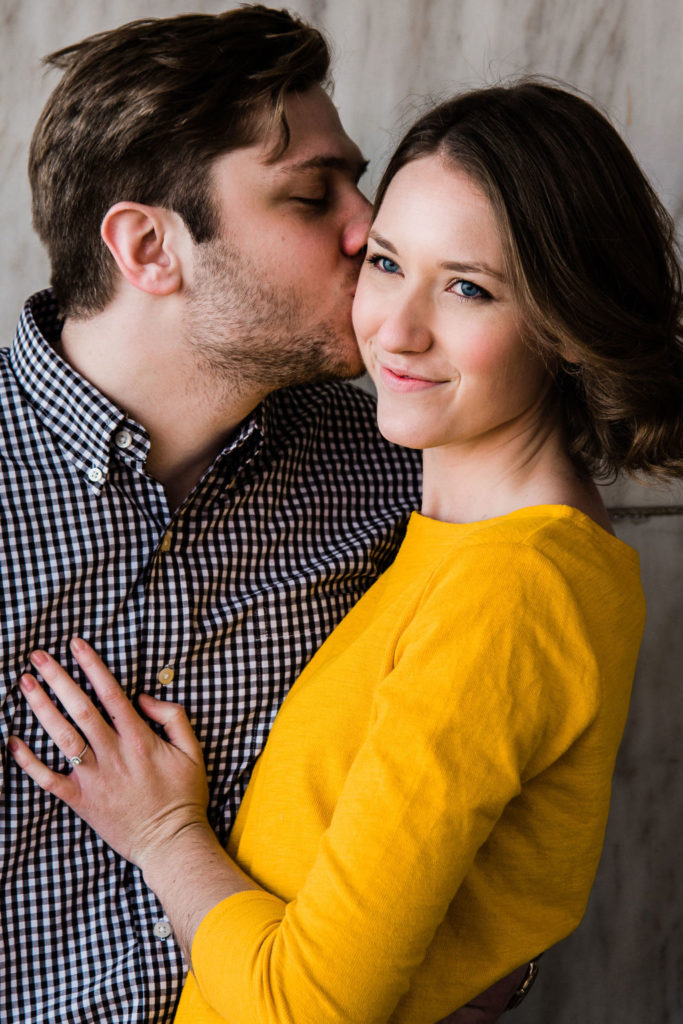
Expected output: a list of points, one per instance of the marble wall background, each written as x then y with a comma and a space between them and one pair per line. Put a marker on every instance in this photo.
625, 963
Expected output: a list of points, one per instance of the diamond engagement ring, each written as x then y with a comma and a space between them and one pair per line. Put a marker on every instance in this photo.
78, 759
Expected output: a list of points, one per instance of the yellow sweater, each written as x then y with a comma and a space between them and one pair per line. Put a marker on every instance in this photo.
431, 803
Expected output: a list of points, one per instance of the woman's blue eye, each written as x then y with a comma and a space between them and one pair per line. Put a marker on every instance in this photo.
384, 264
469, 290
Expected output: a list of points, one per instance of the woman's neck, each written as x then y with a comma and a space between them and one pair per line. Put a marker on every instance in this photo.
495, 477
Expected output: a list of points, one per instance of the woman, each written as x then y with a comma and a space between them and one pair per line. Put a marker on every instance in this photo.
429, 810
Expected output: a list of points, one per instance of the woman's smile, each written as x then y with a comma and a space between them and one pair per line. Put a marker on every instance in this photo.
405, 381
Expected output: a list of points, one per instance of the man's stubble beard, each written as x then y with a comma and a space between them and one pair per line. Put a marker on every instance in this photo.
245, 335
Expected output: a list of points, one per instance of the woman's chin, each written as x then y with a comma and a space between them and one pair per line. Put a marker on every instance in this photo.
400, 434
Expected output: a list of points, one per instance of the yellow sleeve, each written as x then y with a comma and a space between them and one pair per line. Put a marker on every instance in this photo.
481, 697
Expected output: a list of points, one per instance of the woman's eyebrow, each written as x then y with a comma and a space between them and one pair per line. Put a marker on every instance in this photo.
473, 268
382, 242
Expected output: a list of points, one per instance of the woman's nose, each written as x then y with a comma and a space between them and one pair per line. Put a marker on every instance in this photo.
405, 329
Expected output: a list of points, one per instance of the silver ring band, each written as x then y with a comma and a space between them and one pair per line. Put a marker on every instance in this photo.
78, 759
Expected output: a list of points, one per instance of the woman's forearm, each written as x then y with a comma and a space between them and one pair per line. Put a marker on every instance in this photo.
190, 876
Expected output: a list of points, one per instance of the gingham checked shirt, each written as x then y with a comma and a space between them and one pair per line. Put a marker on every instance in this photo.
217, 606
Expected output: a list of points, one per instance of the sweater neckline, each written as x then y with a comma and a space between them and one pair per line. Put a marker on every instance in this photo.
423, 526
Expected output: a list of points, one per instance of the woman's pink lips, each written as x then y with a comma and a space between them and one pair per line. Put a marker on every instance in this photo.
397, 382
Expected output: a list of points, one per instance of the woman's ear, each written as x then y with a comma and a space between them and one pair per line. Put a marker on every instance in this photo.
572, 356
144, 242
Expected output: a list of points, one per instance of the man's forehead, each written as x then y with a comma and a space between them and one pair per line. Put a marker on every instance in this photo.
317, 139
317, 142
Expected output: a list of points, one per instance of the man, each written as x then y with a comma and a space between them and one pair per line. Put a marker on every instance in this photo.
175, 489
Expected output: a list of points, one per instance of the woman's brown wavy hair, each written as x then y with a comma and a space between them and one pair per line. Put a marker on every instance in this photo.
591, 256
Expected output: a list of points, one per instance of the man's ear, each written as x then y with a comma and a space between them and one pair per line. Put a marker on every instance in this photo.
145, 242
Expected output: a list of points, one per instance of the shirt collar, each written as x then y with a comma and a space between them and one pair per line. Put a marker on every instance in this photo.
81, 419
84, 422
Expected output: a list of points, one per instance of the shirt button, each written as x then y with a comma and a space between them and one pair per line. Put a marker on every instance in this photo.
95, 474
166, 676
123, 439
166, 541
162, 929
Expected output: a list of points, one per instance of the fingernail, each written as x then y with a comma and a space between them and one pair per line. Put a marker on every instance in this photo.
27, 683
77, 645
13, 744
38, 658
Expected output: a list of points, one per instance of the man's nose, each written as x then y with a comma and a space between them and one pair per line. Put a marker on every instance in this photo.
355, 234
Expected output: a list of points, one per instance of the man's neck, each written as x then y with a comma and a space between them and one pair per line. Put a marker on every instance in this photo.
141, 365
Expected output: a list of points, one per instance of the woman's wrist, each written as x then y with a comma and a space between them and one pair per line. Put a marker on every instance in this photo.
191, 873
168, 860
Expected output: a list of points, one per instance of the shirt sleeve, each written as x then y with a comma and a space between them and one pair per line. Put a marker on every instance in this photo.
481, 697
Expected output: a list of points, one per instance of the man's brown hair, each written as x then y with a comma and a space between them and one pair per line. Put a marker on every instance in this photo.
139, 115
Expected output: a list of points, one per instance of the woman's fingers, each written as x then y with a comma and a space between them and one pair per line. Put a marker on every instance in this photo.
87, 737
90, 725
121, 712
68, 739
77, 704
175, 723
66, 787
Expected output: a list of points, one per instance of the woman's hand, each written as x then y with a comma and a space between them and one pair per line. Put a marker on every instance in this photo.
147, 798
136, 790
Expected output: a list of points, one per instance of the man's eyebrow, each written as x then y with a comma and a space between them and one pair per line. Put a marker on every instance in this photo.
334, 163
459, 268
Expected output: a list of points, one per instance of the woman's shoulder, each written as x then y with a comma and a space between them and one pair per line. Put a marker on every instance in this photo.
542, 600
527, 556
533, 526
